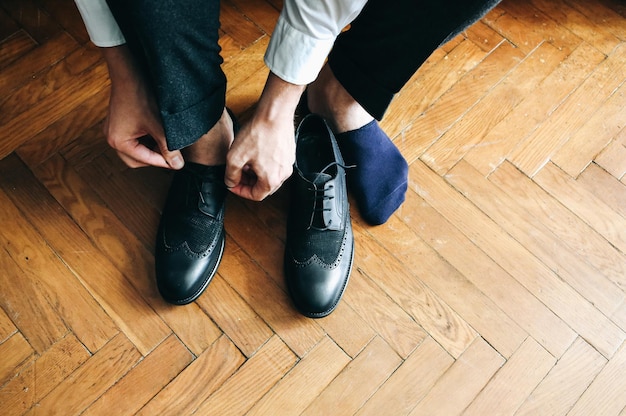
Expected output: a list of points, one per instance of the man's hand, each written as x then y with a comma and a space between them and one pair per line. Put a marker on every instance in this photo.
261, 158
133, 115
262, 155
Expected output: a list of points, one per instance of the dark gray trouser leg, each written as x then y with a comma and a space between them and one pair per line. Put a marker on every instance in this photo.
176, 41
391, 39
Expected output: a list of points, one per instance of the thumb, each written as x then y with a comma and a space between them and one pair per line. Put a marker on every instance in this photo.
233, 174
173, 158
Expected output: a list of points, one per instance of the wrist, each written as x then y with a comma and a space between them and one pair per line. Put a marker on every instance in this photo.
279, 98
121, 65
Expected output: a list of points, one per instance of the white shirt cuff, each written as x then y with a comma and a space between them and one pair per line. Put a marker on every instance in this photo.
294, 56
101, 25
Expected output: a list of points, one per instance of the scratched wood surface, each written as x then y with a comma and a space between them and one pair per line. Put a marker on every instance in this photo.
498, 288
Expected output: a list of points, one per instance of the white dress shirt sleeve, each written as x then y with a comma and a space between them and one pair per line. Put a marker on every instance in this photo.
304, 35
101, 25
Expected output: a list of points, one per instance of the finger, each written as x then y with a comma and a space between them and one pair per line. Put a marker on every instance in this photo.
259, 186
129, 161
143, 156
233, 174
174, 158
248, 186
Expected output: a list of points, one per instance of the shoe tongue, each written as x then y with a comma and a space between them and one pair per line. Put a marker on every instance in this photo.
317, 178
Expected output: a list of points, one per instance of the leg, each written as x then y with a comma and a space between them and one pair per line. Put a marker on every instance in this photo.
369, 64
389, 41
175, 42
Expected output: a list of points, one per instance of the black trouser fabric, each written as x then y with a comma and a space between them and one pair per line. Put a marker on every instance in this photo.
176, 41
388, 42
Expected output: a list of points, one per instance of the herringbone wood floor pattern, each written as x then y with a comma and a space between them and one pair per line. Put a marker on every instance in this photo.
498, 288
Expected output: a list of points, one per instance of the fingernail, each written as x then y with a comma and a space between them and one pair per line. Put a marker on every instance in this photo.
177, 162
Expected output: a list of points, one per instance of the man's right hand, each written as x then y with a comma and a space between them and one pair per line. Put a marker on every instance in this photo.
133, 114
262, 155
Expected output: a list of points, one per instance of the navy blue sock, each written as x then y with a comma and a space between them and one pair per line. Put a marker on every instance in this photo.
380, 179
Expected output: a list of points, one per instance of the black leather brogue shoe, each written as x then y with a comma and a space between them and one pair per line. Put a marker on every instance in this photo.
190, 238
320, 246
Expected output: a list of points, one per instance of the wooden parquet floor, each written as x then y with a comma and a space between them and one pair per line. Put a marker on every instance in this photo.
498, 288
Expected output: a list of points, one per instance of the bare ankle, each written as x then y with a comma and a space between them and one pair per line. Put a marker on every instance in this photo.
211, 148
328, 98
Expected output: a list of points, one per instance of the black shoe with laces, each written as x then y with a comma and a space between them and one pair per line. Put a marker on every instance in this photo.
190, 238
320, 246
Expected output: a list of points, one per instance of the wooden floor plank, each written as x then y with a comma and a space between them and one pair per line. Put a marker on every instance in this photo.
66, 13
7, 328
27, 307
50, 369
502, 332
252, 381
566, 381
465, 94
571, 19
30, 16
443, 71
15, 352
386, 317
503, 138
514, 381
607, 394
343, 396
262, 13
298, 388
526, 27
521, 264
235, 317
14, 47
108, 285
539, 147
410, 382
197, 381
506, 292
91, 380
69, 127
425, 306
494, 107
43, 57
469, 374
613, 157
594, 136
74, 304
52, 108
605, 187
601, 14
594, 248
8, 25
348, 329
266, 249
144, 380
607, 222
269, 301
586, 279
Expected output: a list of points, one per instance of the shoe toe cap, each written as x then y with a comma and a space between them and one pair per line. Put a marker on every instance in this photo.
315, 288
182, 277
